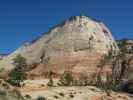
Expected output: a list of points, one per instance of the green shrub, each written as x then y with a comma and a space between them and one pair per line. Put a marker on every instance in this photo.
1, 69
126, 87
71, 96
122, 45
28, 96
2, 93
107, 85
51, 82
56, 97
17, 75
99, 82
62, 94
41, 98
66, 79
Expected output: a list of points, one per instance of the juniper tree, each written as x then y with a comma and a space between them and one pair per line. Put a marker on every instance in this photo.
17, 75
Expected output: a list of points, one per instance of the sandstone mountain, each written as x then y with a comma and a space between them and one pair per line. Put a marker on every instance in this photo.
75, 45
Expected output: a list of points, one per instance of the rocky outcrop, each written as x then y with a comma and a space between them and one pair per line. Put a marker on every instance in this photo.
76, 45
123, 72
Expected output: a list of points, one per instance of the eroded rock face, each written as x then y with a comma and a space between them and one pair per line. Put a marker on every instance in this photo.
76, 45
123, 72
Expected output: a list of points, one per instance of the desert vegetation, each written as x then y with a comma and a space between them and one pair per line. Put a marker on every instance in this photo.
120, 64
7, 94
66, 80
41, 98
112, 82
62, 64
17, 75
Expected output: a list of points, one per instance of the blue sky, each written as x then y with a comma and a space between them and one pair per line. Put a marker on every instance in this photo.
23, 20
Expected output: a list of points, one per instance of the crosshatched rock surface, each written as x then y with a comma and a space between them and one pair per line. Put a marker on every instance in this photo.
75, 45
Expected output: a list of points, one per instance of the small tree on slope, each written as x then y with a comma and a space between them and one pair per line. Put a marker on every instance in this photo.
17, 75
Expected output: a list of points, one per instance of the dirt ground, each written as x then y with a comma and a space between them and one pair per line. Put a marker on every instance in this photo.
36, 88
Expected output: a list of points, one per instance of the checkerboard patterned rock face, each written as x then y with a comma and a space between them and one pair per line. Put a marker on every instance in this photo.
75, 45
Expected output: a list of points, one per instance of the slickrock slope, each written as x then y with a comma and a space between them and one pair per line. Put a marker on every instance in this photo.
76, 93
75, 45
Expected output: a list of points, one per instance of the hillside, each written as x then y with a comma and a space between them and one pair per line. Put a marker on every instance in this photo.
81, 51
77, 44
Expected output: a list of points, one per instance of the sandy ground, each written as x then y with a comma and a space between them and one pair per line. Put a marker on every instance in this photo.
35, 88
